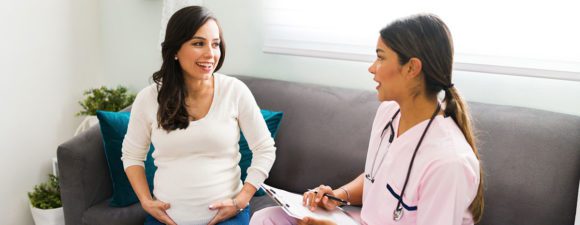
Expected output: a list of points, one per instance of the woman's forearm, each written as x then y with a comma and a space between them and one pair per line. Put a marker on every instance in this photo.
245, 195
138, 180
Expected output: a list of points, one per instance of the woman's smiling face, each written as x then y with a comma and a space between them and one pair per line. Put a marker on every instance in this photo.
199, 56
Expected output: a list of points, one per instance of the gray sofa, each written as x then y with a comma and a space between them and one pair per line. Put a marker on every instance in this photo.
531, 157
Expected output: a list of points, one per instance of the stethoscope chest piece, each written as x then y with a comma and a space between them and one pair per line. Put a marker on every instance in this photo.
398, 213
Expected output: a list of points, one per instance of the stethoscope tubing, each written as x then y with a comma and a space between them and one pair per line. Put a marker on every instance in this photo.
398, 212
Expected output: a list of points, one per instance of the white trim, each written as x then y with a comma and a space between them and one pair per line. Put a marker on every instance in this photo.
517, 71
317, 53
458, 65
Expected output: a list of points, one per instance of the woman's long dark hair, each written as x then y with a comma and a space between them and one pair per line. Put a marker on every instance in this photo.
172, 113
427, 38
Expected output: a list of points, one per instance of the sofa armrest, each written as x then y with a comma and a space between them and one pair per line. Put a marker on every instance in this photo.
83, 174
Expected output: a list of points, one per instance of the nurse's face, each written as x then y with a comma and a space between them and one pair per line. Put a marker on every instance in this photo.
387, 73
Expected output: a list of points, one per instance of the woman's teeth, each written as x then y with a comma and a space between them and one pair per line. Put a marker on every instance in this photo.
204, 64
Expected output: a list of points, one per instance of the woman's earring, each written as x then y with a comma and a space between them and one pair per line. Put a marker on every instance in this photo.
175, 58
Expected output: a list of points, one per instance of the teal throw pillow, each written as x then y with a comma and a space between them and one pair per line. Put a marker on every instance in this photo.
273, 120
113, 129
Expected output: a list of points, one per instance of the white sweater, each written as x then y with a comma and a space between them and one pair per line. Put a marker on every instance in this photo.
199, 165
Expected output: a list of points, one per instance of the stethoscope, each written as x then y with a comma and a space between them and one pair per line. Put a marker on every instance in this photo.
398, 212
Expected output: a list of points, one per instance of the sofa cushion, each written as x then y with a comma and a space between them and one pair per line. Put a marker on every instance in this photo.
113, 129
531, 164
260, 202
102, 214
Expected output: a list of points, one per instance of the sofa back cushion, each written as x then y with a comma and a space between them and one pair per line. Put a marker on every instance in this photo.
324, 136
531, 158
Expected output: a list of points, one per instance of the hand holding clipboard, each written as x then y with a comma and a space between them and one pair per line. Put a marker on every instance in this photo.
292, 204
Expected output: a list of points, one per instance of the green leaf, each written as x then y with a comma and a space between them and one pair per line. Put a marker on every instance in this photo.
107, 99
46, 195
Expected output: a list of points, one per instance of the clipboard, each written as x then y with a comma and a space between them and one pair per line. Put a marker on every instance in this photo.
292, 204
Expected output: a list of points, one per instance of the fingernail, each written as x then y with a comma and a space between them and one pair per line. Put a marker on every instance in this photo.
210, 206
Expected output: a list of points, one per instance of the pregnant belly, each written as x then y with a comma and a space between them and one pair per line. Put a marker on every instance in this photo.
199, 185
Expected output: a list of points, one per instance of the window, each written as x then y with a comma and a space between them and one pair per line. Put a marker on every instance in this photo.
528, 38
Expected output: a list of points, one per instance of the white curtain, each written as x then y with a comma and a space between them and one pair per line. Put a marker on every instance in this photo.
170, 7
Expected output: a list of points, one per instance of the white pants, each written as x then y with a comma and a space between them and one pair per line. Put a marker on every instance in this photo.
272, 216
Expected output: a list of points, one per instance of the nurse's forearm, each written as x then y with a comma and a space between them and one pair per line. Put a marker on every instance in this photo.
352, 191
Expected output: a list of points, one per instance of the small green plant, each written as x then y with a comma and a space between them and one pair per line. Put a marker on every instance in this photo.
107, 99
46, 195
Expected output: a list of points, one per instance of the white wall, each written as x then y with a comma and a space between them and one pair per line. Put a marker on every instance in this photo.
49, 55
130, 41
243, 32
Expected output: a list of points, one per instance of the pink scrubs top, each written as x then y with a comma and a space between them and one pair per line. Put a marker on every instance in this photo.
443, 181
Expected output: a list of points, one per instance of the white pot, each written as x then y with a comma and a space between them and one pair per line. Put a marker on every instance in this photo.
88, 122
47, 216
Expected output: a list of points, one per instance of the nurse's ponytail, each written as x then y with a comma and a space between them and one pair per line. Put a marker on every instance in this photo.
456, 108
427, 38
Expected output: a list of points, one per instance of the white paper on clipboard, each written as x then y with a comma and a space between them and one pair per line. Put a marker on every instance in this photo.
292, 204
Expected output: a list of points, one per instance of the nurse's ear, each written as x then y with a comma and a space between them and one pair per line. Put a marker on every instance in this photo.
412, 69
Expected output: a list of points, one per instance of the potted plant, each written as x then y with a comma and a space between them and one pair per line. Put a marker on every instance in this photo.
102, 98
45, 203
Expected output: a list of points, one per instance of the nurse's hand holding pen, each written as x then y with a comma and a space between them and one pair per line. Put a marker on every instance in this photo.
316, 197
320, 197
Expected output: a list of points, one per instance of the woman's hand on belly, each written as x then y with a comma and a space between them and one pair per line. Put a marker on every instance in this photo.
226, 209
157, 209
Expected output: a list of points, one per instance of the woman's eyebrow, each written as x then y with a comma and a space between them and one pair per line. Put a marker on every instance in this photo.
202, 38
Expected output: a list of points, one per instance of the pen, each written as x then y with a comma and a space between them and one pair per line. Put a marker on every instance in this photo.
344, 202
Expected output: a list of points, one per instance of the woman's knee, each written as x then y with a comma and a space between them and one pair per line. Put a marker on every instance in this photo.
243, 218
271, 216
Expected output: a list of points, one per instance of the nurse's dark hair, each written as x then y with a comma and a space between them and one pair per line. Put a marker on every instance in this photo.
427, 38
172, 113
